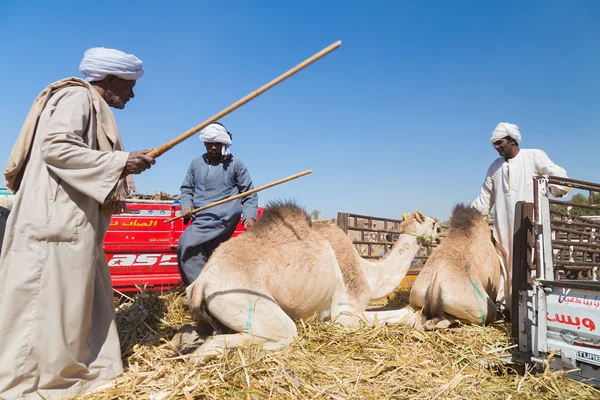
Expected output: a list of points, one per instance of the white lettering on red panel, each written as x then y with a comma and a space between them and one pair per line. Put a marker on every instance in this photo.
142, 260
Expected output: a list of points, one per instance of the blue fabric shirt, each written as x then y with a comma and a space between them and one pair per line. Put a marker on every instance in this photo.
206, 183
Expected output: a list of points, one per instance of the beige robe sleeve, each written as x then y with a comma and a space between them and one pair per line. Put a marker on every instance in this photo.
91, 172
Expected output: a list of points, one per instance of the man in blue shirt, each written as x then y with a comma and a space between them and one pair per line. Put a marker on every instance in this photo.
214, 176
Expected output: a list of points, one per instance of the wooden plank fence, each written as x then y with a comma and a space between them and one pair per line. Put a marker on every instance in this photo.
374, 236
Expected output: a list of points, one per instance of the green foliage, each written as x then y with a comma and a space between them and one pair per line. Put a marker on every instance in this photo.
580, 199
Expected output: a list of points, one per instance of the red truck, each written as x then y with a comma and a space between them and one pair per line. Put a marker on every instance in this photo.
141, 248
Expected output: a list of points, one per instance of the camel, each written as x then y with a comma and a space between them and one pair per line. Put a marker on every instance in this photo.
462, 276
289, 268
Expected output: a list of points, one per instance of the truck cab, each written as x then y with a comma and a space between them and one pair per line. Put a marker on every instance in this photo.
141, 248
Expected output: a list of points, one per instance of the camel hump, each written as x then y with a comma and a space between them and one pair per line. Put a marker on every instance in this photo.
464, 217
278, 212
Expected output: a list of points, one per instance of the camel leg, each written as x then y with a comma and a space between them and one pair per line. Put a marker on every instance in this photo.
439, 323
419, 288
476, 309
257, 319
404, 316
218, 344
347, 311
350, 313
346, 317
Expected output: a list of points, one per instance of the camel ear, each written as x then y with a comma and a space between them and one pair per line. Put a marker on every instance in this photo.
403, 216
420, 217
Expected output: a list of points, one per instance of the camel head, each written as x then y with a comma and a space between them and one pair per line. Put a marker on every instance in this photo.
425, 228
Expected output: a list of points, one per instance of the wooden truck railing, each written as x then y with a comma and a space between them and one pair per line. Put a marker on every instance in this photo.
555, 288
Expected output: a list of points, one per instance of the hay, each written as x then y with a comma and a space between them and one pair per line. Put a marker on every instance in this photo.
327, 361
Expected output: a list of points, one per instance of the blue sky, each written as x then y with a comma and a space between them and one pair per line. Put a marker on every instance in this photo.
397, 119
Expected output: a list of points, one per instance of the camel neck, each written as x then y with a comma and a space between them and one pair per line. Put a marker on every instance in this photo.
385, 275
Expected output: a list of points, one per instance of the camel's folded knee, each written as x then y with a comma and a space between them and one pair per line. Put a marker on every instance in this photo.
437, 323
219, 344
354, 321
186, 336
479, 316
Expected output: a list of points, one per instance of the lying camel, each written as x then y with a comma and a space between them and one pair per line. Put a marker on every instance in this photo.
288, 268
461, 278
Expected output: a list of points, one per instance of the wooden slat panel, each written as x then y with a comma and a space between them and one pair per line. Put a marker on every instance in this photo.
367, 234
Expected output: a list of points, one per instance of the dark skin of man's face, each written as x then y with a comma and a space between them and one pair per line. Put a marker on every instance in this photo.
213, 151
506, 147
117, 91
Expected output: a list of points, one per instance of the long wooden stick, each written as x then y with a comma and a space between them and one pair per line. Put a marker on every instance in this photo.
246, 193
167, 146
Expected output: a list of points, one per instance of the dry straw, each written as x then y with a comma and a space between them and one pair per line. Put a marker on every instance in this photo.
326, 362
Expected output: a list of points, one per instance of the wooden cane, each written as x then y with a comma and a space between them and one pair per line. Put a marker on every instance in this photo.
167, 146
246, 193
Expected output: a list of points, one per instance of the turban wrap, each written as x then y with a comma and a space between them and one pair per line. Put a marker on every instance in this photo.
504, 129
215, 133
98, 62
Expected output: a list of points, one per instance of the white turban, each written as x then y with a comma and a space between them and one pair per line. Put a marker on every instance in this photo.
98, 62
215, 133
504, 129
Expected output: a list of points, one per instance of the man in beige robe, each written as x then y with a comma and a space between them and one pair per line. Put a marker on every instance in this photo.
58, 335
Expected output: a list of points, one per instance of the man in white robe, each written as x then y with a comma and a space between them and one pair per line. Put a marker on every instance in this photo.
509, 180
58, 335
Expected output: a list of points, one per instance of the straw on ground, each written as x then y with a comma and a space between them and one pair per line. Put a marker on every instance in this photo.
327, 362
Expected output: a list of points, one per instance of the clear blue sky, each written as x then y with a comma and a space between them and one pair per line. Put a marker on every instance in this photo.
397, 119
